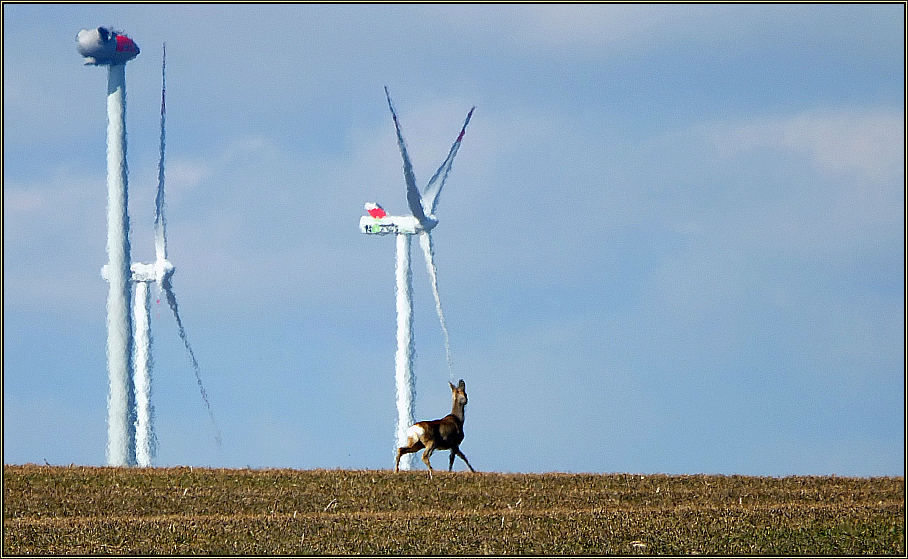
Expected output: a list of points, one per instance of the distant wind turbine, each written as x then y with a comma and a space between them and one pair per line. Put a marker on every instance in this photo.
160, 273
421, 221
143, 275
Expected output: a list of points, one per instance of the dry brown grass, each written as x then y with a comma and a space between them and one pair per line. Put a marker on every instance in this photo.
81, 510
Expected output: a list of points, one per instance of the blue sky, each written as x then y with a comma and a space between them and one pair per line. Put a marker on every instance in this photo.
672, 240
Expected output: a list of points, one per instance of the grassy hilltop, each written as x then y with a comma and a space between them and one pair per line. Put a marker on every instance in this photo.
82, 510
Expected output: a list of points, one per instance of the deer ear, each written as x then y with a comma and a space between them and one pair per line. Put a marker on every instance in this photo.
462, 385
453, 388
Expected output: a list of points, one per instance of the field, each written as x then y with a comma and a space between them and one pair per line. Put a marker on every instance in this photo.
83, 510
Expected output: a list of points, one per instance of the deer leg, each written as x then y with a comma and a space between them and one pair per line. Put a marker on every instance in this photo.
400, 452
397, 460
405, 450
451, 460
462, 456
425, 457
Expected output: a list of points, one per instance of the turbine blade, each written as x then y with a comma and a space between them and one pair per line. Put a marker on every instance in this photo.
433, 188
172, 301
414, 200
425, 241
160, 224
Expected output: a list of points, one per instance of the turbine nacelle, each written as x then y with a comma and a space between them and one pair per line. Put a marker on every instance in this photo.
102, 46
380, 223
159, 272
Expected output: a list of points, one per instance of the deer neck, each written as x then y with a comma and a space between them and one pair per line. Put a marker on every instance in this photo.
457, 411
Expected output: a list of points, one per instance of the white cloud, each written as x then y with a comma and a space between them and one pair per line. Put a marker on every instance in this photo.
870, 141
185, 174
53, 240
821, 182
609, 30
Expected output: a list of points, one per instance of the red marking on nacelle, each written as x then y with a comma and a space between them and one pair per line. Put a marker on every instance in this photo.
375, 210
125, 44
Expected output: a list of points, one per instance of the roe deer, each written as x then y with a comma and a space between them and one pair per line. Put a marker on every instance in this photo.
439, 434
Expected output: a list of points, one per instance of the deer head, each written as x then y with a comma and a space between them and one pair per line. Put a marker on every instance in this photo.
459, 393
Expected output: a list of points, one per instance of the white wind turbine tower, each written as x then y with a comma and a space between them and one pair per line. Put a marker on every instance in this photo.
102, 47
421, 221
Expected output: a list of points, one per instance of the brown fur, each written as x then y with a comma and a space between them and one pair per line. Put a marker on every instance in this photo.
440, 434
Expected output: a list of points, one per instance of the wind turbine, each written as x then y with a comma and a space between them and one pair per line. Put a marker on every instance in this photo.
420, 222
160, 272
143, 275
103, 47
